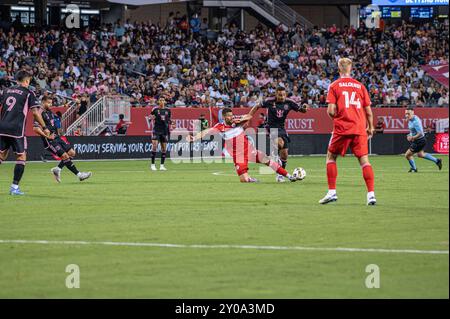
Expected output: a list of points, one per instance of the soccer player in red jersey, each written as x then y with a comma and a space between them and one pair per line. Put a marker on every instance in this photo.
238, 145
349, 107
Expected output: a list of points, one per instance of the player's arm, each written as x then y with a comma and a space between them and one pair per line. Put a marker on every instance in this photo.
332, 102
200, 135
247, 117
40, 132
297, 107
368, 112
369, 118
331, 110
38, 118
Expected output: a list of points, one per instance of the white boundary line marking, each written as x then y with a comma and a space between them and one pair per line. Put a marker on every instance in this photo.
195, 246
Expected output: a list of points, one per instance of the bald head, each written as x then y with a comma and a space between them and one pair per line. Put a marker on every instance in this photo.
345, 66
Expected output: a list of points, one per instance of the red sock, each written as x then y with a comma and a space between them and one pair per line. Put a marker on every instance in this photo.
331, 174
368, 177
277, 168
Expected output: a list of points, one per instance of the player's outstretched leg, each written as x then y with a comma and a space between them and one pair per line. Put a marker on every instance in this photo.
332, 173
430, 157
153, 156
283, 156
369, 178
163, 157
409, 155
71, 167
56, 171
18, 173
263, 159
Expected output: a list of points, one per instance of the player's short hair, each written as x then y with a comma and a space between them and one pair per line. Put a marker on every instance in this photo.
227, 110
410, 108
46, 98
344, 63
22, 75
121, 116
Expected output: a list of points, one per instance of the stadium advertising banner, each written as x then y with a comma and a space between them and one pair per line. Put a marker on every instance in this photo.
410, 2
315, 121
438, 73
441, 143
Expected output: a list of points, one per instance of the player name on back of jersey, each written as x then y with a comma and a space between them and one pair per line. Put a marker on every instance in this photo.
349, 84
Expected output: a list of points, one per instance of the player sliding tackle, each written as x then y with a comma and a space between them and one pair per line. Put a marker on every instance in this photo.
238, 145
349, 107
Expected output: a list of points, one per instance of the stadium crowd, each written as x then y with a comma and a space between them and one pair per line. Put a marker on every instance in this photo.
191, 66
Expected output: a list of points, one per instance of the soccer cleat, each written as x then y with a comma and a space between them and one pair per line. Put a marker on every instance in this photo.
371, 201
56, 173
252, 180
162, 168
153, 167
280, 179
16, 191
82, 176
329, 198
412, 170
439, 163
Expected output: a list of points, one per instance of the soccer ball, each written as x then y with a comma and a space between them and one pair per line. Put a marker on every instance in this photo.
299, 173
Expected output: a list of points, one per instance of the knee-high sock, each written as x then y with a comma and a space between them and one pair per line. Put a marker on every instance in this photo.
283, 163
412, 163
69, 164
163, 157
277, 168
18, 172
369, 177
332, 173
61, 164
153, 157
430, 158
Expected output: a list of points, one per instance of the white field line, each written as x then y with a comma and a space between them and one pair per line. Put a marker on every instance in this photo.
252, 247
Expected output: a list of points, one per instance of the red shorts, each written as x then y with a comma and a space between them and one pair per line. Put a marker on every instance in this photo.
243, 152
340, 143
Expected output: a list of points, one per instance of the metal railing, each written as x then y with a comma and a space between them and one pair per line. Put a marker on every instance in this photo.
90, 120
277, 10
283, 13
69, 116
100, 115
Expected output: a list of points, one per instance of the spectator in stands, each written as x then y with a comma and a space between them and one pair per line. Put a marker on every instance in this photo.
78, 131
379, 127
136, 58
122, 125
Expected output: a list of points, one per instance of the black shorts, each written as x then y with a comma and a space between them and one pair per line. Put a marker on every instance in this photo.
418, 145
18, 145
57, 146
160, 136
280, 133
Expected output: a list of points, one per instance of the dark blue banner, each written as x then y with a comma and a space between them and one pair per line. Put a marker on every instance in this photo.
410, 2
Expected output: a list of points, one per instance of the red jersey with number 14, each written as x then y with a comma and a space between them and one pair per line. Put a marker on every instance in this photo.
350, 97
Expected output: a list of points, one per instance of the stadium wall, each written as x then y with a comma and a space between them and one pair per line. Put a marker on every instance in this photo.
139, 147
157, 12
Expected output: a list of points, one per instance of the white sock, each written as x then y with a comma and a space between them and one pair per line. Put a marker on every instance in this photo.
79, 174
14, 186
331, 192
370, 194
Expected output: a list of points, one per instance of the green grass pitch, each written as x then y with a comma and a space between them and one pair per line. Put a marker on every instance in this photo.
125, 202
